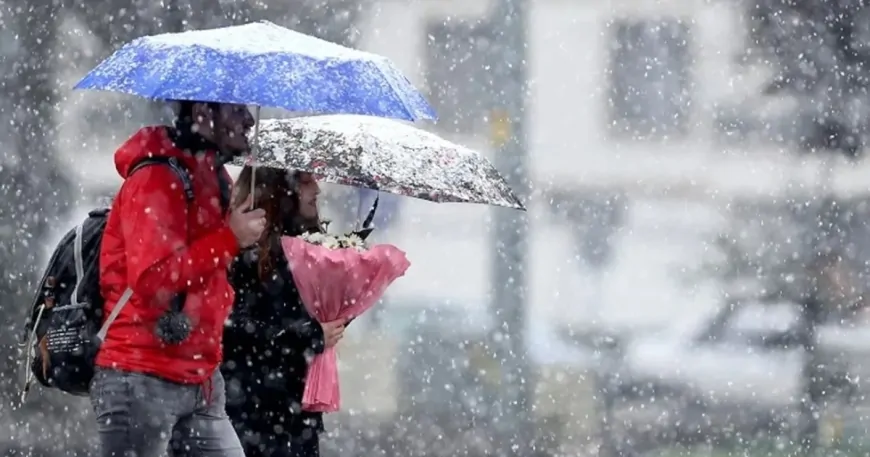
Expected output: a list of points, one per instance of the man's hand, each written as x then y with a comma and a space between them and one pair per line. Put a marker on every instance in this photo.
247, 225
333, 332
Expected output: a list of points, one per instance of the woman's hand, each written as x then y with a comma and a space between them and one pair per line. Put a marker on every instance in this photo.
333, 332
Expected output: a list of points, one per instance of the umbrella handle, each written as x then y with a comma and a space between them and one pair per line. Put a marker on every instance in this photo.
371, 216
254, 142
366, 229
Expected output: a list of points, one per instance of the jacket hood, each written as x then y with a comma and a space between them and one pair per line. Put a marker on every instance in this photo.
162, 141
148, 142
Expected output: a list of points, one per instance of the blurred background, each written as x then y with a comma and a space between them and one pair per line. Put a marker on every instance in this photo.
690, 278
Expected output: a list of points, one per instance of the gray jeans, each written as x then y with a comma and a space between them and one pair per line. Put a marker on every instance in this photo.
144, 416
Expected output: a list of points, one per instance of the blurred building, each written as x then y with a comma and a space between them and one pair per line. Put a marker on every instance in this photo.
604, 77
621, 97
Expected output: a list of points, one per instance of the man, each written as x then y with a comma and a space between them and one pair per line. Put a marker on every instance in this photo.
150, 392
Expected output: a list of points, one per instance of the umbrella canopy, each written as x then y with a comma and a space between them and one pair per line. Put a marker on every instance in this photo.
382, 154
260, 64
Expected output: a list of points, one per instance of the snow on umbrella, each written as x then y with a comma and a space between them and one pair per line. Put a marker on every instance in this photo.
384, 155
260, 64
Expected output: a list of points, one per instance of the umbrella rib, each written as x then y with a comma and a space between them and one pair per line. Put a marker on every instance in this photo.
396, 90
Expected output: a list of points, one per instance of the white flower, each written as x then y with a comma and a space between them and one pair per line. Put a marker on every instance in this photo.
335, 241
355, 242
314, 238
330, 242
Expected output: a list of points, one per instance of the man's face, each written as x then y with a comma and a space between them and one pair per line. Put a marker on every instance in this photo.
308, 192
231, 126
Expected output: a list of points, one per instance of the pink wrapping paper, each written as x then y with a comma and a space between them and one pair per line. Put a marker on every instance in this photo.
335, 284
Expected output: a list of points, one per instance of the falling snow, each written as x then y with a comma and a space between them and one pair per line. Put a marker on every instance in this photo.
691, 276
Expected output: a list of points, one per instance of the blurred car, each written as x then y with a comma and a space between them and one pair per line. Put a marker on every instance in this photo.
738, 373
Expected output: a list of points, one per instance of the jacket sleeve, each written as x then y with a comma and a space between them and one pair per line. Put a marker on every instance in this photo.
290, 326
160, 261
302, 331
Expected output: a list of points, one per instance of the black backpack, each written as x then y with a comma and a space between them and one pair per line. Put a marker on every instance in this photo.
65, 326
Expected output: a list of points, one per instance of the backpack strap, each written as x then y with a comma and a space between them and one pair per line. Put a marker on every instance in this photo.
125, 297
187, 185
176, 166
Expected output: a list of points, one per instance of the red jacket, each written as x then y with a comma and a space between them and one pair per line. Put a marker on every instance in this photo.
151, 245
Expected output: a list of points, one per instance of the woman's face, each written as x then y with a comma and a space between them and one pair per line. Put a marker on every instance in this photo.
308, 192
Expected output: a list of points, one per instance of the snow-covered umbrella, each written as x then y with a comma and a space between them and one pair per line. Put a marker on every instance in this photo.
383, 155
260, 64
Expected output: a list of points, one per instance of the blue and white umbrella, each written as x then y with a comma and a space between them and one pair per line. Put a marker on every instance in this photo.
260, 64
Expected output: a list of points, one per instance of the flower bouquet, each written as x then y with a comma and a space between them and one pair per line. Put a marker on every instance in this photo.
338, 277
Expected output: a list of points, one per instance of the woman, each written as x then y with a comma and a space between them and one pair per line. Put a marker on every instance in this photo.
271, 338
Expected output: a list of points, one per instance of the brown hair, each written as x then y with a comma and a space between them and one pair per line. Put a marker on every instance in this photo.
276, 195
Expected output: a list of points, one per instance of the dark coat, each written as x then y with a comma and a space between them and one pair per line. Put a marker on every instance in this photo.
268, 345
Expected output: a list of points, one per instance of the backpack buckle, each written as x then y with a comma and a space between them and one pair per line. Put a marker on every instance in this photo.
48, 292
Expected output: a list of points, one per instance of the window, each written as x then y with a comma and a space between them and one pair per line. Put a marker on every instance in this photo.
456, 74
650, 87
